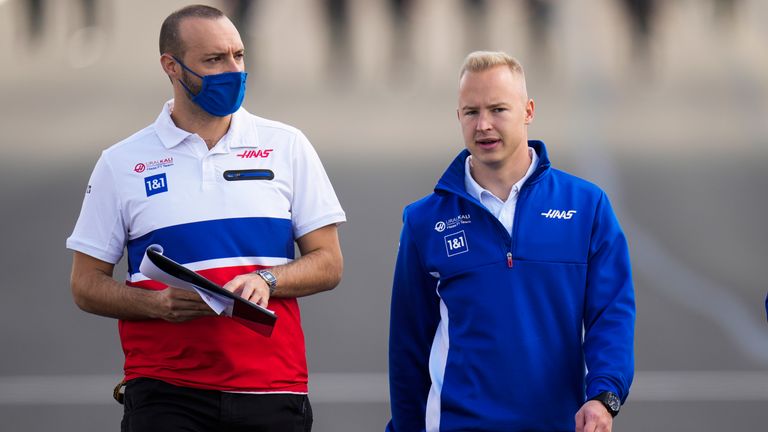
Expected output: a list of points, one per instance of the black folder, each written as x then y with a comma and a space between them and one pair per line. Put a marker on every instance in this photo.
249, 314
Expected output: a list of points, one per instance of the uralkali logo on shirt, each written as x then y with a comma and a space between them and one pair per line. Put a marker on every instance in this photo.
153, 164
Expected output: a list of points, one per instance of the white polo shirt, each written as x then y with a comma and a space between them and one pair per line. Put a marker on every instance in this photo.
223, 212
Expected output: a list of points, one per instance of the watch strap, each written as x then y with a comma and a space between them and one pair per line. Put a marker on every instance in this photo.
610, 401
269, 278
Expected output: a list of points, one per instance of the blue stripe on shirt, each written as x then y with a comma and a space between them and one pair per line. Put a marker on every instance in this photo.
214, 239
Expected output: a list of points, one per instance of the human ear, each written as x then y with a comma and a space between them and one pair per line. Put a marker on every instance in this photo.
530, 109
170, 66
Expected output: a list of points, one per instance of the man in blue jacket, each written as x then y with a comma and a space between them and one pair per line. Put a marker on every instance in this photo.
512, 305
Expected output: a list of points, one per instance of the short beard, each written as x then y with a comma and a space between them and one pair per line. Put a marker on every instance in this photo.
193, 88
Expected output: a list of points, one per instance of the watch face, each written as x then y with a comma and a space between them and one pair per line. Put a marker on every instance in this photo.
613, 401
268, 277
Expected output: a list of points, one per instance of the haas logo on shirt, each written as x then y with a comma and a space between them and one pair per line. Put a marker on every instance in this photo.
248, 154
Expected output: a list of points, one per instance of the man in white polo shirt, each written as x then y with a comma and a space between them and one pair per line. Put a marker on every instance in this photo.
227, 194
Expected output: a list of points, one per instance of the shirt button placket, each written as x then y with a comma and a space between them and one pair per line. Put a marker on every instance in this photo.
209, 172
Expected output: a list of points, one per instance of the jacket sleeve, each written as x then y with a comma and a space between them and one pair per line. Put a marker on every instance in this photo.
609, 310
414, 316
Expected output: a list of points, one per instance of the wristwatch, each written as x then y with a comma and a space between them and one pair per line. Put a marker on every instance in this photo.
269, 278
610, 400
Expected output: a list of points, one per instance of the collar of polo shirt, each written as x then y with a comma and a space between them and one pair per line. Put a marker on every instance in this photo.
171, 135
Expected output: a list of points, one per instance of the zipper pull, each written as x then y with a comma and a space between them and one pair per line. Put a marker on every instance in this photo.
509, 260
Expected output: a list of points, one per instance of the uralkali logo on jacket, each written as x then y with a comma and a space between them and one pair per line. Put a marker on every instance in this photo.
453, 222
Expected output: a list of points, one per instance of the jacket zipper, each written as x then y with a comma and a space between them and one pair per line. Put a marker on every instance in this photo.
516, 221
462, 193
510, 260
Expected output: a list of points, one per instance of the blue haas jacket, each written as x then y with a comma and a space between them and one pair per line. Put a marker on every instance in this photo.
492, 332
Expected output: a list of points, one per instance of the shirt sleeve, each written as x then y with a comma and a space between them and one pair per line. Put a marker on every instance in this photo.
609, 316
414, 317
99, 231
314, 203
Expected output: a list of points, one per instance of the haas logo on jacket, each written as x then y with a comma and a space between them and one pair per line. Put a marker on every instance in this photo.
559, 214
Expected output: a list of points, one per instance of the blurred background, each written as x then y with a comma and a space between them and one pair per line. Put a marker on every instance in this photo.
662, 103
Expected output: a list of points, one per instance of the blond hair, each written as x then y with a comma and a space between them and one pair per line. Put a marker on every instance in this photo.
479, 61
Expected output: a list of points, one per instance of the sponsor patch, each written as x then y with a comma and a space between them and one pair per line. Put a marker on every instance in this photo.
248, 154
453, 222
153, 165
559, 214
456, 243
155, 184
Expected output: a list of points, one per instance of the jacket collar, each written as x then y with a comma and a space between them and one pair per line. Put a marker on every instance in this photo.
453, 178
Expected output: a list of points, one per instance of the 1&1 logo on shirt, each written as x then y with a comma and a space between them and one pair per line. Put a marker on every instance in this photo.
155, 184
456, 243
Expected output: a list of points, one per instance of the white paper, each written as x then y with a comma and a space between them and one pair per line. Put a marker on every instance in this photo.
219, 304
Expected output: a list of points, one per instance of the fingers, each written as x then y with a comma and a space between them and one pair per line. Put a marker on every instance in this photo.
580, 421
177, 305
585, 424
590, 426
250, 287
593, 417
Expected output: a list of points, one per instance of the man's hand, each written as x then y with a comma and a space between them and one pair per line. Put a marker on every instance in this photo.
251, 287
178, 305
318, 269
96, 292
593, 417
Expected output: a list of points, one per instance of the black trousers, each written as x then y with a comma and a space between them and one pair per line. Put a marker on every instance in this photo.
152, 405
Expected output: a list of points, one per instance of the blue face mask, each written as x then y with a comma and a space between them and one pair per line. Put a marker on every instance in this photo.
221, 94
